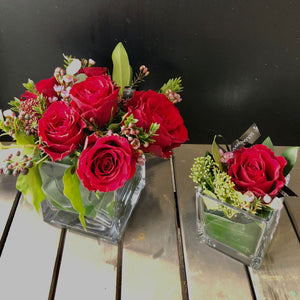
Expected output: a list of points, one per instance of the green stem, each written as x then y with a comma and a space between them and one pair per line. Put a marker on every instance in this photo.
42, 159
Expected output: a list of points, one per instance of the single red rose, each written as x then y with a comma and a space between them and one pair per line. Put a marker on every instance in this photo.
44, 87
150, 107
96, 99
27, 95
61, 130
93, 71
258, 170
106, 163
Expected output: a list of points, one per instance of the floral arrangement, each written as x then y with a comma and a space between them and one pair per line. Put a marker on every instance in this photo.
250, 177
98, 124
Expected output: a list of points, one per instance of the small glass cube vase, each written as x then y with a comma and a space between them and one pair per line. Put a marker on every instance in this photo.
106, 214
233, 231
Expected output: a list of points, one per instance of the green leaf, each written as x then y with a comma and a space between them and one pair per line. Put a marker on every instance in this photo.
121, 67
30, 86
110, 208
73, 67
80, 77
216, 154
24, 139
30, 185
72, 192
268, 143
242, 237
290, 156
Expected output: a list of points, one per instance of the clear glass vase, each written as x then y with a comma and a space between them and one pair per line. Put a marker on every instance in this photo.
106, 214
233, 231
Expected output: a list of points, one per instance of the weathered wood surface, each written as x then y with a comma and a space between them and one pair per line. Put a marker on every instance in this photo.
150, 268
210, 274
279, 276
88, 269
28, 256
148, 264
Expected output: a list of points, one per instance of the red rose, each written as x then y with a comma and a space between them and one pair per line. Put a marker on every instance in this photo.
96, 99
44, 87
106, 163
150, 107
258, 170
93, 71
61, 129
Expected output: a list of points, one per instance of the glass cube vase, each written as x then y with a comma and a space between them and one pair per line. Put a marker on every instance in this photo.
233, 231
106, 214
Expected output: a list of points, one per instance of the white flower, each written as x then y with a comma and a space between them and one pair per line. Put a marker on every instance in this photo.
276, 204
249, 196
267, 199
8, 113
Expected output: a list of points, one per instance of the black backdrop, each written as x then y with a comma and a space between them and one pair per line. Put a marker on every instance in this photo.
239, 60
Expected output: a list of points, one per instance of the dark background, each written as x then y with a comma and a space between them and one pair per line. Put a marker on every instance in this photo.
239, 60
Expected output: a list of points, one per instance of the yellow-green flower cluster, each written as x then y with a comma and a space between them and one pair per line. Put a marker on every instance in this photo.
224, 187
216, 183
202, 172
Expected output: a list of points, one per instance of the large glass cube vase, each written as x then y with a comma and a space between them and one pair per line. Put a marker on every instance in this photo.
106, 214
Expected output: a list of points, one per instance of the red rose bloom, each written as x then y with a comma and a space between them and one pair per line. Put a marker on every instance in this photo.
96, 99
106, 163
93, 71
258, 170
61, 129
44, 87
150, 107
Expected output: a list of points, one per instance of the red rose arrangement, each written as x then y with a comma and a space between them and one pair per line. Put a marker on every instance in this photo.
250, 177
96, 122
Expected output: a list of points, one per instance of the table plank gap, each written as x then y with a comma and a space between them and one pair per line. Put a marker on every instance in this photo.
250, 283
182, 269
119, 270
292, 219
9, 221
183, 278
57, 264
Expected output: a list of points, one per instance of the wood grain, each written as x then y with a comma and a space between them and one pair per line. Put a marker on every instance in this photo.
210, 274
150, 253
28, 257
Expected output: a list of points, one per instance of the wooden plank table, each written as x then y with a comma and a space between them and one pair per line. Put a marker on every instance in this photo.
159, 257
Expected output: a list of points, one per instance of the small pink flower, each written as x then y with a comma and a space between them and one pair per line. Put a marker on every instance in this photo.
52, 99
68, 78
249, 196
58, 88
65, 93
225, 156
135, 144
